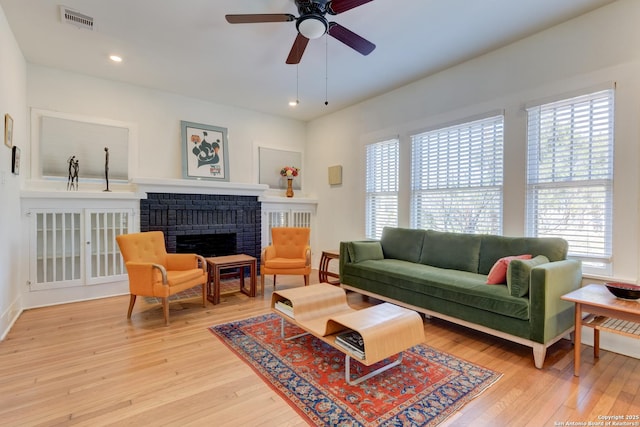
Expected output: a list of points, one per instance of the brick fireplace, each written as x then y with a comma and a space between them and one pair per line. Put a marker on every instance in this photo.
208, 224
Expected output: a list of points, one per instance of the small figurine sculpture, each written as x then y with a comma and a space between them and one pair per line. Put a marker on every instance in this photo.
72, 181
106, 167
70, 163
74, 177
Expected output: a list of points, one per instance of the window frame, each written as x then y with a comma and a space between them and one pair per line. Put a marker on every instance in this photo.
597, 182
381, 189
478, 180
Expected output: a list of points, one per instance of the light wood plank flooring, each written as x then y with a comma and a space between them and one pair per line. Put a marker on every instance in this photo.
84, 364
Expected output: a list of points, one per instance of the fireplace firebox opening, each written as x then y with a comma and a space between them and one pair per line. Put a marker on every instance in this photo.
207, 245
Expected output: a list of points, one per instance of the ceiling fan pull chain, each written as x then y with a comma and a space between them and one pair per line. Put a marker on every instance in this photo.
297, 84
326, 69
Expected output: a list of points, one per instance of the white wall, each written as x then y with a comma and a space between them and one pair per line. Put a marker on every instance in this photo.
157, 115
12, 101
596, 48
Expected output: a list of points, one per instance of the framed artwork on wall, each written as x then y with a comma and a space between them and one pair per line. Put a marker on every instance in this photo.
204, 152
8, 131
15, 160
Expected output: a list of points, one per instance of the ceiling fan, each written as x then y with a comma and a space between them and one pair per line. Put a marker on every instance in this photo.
312, 24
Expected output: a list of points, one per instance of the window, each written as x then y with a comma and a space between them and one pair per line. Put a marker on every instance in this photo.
381, 187
570, 174
457, 177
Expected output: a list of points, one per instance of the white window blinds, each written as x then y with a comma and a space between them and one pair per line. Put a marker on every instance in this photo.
570, 173
381, 187
457, 177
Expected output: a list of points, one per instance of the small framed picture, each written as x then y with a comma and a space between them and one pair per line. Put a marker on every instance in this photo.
204, 152
8, 131
15, 160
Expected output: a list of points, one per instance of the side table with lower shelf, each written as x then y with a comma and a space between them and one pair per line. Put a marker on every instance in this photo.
323, 272
239, 262
606, 313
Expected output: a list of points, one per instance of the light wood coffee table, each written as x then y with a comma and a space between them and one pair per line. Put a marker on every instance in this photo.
322, 311
606, 313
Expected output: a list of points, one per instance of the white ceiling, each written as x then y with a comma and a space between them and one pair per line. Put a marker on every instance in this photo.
187, 47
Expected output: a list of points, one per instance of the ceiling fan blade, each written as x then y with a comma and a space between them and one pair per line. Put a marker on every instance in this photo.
299, 45
338, 6
255, 18
350, 38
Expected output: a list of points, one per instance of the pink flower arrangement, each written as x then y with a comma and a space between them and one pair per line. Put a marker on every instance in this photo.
289, 171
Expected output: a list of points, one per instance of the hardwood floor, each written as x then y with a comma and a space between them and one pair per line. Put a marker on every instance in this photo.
84, 364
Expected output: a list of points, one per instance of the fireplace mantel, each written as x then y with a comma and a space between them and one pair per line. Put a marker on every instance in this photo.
138, 188
195, 186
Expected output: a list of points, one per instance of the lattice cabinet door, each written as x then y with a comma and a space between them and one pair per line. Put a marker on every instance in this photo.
104, 262
76, 247
275, 216
57, 250
300, 218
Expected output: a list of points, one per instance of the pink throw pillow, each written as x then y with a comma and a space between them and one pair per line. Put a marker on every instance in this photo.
498, 273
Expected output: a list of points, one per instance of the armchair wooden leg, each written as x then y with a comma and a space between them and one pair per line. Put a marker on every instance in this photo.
165, 310
306, 280
204, 294
132, 301
262, 284
274, 282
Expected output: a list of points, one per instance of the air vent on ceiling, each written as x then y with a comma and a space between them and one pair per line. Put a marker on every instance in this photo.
76, 18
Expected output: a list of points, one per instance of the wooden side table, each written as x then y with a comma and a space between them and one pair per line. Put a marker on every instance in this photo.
215, 264
323, 271
603, 308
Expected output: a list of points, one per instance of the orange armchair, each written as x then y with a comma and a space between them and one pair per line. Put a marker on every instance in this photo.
155, 273
289, 254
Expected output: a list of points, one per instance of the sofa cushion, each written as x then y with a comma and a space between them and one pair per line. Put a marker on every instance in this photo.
362, 251
518, 274
455, 251
402, 243
458, 287
496, 247
498, 273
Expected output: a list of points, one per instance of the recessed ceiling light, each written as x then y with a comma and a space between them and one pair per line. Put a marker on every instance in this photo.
293, 103
115, 58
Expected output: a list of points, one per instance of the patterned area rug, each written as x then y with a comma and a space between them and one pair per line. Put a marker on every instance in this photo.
424, 390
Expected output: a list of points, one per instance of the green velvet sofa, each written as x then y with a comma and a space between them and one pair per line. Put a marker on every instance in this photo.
444, 275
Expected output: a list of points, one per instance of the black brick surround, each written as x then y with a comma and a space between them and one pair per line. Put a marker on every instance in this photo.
194, 214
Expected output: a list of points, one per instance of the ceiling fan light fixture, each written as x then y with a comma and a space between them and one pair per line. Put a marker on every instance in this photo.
312, 26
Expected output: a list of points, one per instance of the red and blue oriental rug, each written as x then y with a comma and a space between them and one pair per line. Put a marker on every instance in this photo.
424, 390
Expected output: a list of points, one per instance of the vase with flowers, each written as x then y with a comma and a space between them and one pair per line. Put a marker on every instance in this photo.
289, 172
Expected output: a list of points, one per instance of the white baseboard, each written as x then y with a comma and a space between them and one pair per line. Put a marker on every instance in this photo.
48, 297
9, 317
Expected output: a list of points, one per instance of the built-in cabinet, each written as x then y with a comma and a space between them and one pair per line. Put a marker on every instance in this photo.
72, 242
74, 247
286, 214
